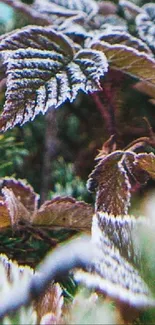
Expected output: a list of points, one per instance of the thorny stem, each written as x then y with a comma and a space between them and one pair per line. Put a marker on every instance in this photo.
76, 254
28, 11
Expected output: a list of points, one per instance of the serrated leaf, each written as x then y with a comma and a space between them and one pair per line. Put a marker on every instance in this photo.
89, 7
123, 38
135, 172
145, 23
16, 209
128, 60
115, 175
23, 192
113, 270
20, 203
43, 71
147, 163
65, 212
111, 182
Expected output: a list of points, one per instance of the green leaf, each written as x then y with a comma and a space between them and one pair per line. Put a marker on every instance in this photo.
43, 71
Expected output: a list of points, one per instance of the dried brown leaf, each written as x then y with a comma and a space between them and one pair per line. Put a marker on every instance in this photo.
4, 215
65, 212
17, 211
23, 192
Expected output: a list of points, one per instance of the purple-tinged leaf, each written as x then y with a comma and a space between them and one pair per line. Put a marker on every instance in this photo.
43, 70
115, 269
145, 22
89, 7
146, 162
110, 180
128, 60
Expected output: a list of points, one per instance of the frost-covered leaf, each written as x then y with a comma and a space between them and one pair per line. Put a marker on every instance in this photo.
115, 270
110, 180
145, 22
89, 7
128, 60
135, 173
43, 71
111, 36
65, 212
49, 306
111, 21
115, 175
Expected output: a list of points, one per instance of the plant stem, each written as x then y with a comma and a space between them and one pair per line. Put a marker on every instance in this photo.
51, 147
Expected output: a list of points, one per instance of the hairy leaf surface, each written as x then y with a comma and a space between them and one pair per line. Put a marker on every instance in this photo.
114, 176
65, 212
115, 269
123, 38
20, 203
43, 70
110, 180
87, 6
145, 22
128, 60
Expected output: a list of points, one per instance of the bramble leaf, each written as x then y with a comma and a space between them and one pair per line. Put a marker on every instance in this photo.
43, 70
110, 180
20, 203
115, 175
112, 37
22, 191
115, 269
65, 212
128, 60
145, 22
89, 7
147, 163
